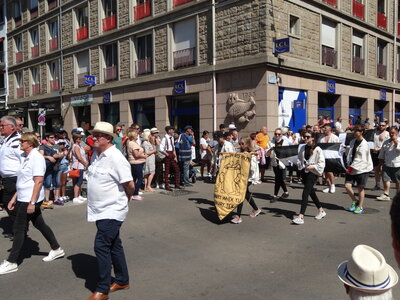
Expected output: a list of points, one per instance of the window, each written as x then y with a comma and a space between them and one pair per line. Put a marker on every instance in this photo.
35, 80
18, 48
2, 50
358, 52
110, 7
19, 84
184, 43
82, 67
17, 13
2, 81
144, 53
82, 17
381, 6
294, 25
328, 42
53, 29
34, 42
381, 59
110, 55
54, 75
33, 4
2, 19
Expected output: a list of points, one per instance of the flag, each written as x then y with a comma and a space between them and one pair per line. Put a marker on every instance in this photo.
287, 154
231, 183
346, 138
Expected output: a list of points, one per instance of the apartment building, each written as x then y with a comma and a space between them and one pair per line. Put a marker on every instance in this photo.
202, 62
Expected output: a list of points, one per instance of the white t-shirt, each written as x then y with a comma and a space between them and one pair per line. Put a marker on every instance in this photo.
32, 165
106, 194
203, 152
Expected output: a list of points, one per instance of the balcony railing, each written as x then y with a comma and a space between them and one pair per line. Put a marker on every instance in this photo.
179, 2
81, 79
110, 73
142, 10
53, 44
19, 57
54, 85
18, 21
381, 20
82, 33
35, 89
329, 57
20, 92
331, 2
143, 66
381, 71
398, 75
110, 23
358, 9
35, 51
184, 58
358, 65
52, 4
34, 12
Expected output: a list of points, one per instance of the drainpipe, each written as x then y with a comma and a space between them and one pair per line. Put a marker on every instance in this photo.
214, 83
395, 62
60, 67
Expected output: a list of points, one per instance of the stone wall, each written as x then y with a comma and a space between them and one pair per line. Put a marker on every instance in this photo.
11, 86
67, 29
161, 49
160, 6
346, 6
43, 79
95, 62
346, 48
27, 82
123, 13
93, 18
26, 45
11, 50
42, 7
371, 55
42, 39
370, 11
68, 67
205, 38
125, 59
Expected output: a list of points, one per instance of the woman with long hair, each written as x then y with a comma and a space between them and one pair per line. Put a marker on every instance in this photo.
205, 153
246, 146
149, 169
311, 161
78, 162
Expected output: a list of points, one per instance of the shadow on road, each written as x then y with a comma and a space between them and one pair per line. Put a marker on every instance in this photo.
85, 267
280, 212
29, 248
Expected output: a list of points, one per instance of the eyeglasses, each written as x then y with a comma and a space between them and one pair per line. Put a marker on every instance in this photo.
5, 125
278, 134
98, 135
241, 144
20, 125
307, 136
381, 125
136, 128
51, 137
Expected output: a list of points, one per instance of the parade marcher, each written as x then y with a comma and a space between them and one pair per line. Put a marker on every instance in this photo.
278, 167
110, 186
395, 218
247, 147
380, 135
329, 137
149, 169
167, 147
185, 142
224, 145
205, 153
359, 163
311, 161
26, 203
262, 141
78, 162
389, 156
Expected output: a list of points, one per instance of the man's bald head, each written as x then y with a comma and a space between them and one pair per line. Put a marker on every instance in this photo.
263, 129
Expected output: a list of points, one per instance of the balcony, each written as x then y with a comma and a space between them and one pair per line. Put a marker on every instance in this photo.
35, 51
110, 23
52, 4
381, 71
53, 44
34, 12
35, 89
398, 75
398, 28
54, 85
142, 10
20, 92
2, 61
184, 58
81, 79
358, 9
110, 73
144, 66
82, 33
381, 20
19, 57
18, 21
358, 65
329, 57
331, 2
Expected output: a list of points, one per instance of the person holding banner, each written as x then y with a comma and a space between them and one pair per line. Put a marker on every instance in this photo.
380, 135
359, 165
311, 161
278, 167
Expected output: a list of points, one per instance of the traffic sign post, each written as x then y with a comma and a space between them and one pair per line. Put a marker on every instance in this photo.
41, 120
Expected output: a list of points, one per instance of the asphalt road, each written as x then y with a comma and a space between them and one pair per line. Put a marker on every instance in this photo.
177, 249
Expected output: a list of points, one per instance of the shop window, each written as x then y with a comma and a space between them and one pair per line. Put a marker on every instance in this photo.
144, 53
294, 25
82, 67
143, 112
184, 46
110, 112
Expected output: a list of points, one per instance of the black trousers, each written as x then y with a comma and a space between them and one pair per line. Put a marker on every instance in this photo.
22, 219
249, 199
280, 175
9, 189
309, 180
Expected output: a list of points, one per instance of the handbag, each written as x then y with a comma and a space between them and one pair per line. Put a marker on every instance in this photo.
74, 173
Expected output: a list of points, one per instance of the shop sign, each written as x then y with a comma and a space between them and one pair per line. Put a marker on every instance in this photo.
331, 86
282, 46
82, 100
382, 95
180, 87
90, 80
107, 97
299, 104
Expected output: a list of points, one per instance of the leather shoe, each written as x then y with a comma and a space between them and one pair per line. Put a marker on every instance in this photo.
167, 188
179, 187
98, 296
116, 287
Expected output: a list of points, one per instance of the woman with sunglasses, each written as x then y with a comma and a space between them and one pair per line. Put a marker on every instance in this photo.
311, 161
278, 167
246, 146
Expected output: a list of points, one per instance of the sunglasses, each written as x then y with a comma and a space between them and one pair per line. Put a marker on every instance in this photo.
23, 141
51, 137
307, 136
242, 144
278, 134
98, 135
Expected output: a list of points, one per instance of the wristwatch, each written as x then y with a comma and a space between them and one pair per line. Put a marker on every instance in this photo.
32, 202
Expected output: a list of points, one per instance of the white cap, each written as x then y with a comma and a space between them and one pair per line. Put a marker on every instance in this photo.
232, 126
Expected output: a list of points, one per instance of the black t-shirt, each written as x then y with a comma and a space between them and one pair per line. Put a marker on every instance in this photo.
353, 153
49, 151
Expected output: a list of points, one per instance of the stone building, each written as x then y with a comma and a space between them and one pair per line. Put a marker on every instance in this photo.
202, 62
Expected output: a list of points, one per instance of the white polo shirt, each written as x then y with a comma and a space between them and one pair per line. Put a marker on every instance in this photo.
10, 156
106, 195
32, 165
390, 154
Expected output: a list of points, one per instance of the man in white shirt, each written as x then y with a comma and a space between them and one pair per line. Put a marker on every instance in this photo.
109, 187
380, 135
389, 155
338, 125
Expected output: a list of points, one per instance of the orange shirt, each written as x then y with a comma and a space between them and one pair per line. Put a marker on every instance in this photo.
263, 140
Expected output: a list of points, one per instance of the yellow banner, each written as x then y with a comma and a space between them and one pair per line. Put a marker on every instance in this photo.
231, 184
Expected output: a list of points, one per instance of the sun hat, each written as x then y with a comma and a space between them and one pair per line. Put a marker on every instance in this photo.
367, 271
232, 126
154, 130
104, 127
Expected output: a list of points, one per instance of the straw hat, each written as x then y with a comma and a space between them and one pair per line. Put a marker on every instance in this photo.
367, 271
104, 127
154, 130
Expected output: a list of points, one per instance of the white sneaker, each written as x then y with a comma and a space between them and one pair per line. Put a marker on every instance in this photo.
7, 267
326, 190
320, 215
54, 254
383, 197
297, 220
77, 201
332, 189
82, 198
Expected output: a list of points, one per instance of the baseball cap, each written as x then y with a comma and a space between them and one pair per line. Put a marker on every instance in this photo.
154, 130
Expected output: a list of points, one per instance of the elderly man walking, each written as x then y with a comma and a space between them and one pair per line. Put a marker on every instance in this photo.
110, 186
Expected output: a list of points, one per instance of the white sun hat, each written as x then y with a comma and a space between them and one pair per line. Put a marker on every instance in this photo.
104, 127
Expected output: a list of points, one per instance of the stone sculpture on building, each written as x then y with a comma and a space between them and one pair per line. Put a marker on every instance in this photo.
240, 110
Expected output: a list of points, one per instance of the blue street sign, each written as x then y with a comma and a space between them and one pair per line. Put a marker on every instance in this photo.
299, 104
107, 97
282, 46
331, 86
382, 95
180, 87
90, 80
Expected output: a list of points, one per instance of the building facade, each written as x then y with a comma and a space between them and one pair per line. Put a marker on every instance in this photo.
202, 62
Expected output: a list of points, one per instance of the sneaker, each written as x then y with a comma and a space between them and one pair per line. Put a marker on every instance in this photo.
358, 210
285, 195
59, 202
376, 187
66, 198
273, 199
332, 189
82, 198
137, 198
383, 197
54, 254
353, 206
7, 267
321, 214
77, 201
326, 190
297, 220
236, 219
140, 193
255, 213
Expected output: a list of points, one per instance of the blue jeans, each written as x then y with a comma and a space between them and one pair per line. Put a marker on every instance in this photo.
109, 253
137, 174
50, 178
186, 168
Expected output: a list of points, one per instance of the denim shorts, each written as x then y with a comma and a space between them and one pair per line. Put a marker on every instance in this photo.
50, 178
78, 180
